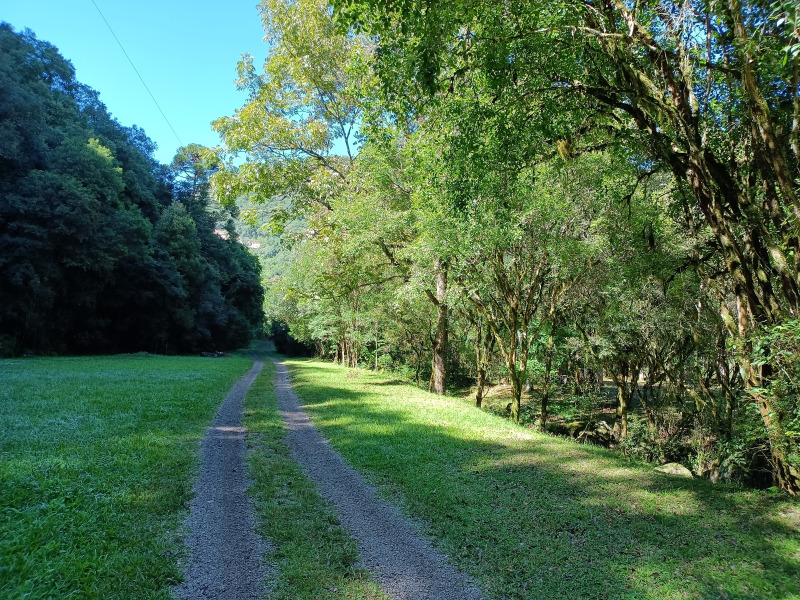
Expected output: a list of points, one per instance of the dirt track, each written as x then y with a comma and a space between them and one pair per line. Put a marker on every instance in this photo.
391, 547
226, 555
226, 559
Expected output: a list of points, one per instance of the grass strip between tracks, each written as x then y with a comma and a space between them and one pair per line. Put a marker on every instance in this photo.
314, 558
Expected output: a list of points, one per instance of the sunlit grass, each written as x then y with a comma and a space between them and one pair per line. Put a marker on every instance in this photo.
534, 516
314, 558
97, 462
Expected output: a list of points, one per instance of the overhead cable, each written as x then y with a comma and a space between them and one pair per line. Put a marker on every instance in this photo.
102, 16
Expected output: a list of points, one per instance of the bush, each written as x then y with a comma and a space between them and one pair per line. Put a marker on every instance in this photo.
777, 352
640, 442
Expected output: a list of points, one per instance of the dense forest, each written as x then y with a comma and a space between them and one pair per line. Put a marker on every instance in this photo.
102, 249
594, 202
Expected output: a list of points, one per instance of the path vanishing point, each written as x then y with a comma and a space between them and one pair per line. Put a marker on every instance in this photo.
228, 560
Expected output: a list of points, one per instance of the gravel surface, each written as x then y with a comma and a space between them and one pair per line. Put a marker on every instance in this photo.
226, 554
391, 546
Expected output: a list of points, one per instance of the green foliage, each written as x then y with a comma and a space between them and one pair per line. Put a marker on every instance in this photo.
306, 99
777, 351
95, 254
559, 167
641, 443
787, 17
701, 98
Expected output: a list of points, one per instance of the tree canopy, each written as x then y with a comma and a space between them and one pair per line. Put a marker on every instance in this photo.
567, 196
101, 248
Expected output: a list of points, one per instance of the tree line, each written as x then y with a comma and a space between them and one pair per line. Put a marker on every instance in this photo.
103, 249
556, 194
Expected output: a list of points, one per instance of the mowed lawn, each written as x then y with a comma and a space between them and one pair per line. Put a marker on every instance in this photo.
97, 461
537, 517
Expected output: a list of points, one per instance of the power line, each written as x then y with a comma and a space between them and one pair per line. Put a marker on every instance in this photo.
177, 137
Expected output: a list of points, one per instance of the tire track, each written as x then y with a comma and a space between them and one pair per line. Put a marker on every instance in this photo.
226, 554
391, 547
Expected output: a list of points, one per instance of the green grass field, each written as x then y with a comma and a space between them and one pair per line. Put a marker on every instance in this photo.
98, 458
314, 557
534, 516
97, 462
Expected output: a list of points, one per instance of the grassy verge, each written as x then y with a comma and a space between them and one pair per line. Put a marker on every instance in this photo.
97, 463
315, 558
534, 516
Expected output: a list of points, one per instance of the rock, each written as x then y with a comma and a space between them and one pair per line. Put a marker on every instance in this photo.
576, 427
594, 432
711, 471
674, 469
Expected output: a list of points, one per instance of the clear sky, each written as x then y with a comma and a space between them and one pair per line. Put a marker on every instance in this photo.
186, 51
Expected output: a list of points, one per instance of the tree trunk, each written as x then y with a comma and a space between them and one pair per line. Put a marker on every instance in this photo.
623, 402
647, 397
439, 375
480, 366
794, 137
481, 386
516, 393
784, 474
649, 413
624, 394
548, 363
759, 109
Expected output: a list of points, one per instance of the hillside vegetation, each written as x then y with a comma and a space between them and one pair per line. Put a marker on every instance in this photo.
102, 249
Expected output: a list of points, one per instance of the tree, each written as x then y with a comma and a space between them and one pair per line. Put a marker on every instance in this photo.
300, 130
519, 236
88, 260
707, 91
308, 98
230, 296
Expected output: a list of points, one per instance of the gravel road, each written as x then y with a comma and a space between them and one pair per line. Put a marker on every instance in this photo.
391, 546
225, 553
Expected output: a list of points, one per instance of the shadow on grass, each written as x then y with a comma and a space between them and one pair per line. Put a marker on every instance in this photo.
539, 517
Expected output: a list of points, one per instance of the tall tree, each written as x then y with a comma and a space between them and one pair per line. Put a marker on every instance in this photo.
300, 134
85, 264
704, 90
298, 131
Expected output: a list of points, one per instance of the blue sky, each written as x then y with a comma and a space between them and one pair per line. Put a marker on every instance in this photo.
186, 51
